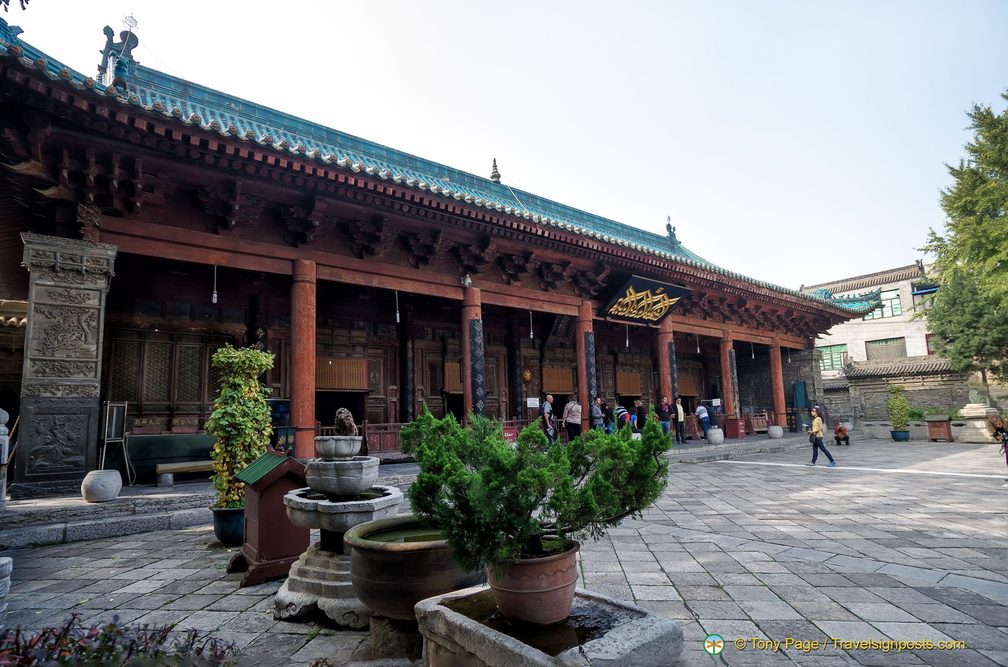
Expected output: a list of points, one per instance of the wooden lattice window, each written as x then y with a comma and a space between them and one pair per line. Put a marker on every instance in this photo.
341, 374
687, 385
558, 380
453, 377
628, 384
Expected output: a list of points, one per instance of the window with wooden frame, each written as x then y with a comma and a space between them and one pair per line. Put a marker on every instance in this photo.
629, 384
558, 380
341, 374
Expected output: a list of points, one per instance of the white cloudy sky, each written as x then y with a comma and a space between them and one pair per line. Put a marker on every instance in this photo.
792, 141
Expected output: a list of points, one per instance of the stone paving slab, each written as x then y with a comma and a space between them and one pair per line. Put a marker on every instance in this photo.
899, 542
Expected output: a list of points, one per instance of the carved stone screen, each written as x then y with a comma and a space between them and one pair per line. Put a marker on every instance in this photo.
68, 284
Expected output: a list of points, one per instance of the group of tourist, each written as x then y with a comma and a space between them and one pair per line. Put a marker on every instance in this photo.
602, 416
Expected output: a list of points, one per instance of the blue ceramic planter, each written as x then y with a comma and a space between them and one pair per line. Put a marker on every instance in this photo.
229, 525
900, 436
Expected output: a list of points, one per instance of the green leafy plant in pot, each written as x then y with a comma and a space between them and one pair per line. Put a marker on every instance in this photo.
241, 422
508, 506
898, 408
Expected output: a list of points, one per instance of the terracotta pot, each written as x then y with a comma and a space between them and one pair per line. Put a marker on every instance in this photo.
391, 577
536, 590
229, 525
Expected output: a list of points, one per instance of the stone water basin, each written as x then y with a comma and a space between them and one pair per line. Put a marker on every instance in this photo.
462, 628
308, 508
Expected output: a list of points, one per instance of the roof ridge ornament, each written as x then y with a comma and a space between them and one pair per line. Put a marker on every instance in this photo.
673, 241
119, 55
494, 174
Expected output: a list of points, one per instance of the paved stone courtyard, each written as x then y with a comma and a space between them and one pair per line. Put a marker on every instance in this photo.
901, 542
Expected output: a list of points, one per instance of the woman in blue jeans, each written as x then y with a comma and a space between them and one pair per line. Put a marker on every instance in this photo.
816, 431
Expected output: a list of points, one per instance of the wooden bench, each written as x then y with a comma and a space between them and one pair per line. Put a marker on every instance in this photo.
166, 471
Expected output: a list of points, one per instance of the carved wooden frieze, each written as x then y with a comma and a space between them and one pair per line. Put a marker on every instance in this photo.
473, 257
88, 217
228, 208
424, 248
552, 275
514, 268
588, 284
370, 238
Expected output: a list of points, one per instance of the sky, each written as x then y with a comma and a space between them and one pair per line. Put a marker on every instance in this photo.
795, 142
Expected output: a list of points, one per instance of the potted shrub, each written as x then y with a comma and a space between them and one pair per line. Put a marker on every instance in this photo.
241, 422
898, 408
512, 507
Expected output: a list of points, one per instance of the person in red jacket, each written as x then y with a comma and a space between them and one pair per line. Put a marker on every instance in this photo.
840, 435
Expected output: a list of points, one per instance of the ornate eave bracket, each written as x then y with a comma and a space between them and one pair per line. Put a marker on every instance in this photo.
473, 257
424, 248
370, 238
228, 209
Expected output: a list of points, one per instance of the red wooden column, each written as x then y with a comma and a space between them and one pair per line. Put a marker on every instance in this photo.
583, 326
665, 339
302, 413
777, 385
472, 353
727, 372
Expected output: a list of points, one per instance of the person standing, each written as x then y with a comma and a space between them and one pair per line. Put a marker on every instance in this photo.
595, 414
680, 422
840, 434
701, 414
622, 417
546, 417
639, 415
608, 418
664, 413
816, 434
572, 418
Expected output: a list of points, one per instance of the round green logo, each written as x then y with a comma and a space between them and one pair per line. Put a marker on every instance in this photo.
713, 644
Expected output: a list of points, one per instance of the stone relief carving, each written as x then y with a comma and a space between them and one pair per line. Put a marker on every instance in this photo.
65, 331
62, 369
57, 444
89, 390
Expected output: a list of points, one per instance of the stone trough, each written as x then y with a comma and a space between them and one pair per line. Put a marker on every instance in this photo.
454, 633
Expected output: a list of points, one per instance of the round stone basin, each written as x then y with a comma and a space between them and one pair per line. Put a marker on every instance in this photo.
395, 563
308, 508
342, 478
337, 447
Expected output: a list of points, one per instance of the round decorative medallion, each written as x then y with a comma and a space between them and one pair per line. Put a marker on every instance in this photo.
527, 375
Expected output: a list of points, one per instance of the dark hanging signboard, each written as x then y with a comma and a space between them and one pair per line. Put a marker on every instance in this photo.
645, 301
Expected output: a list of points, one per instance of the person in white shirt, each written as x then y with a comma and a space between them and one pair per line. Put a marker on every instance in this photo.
701, 414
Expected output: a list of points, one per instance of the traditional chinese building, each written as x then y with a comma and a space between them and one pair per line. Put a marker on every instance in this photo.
147, 221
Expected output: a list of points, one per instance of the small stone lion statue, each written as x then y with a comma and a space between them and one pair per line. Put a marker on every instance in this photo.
344, 423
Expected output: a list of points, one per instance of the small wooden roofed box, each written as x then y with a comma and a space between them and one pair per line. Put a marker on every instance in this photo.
272, 542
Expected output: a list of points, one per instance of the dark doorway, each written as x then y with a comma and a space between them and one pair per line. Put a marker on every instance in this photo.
455, 406
327, 402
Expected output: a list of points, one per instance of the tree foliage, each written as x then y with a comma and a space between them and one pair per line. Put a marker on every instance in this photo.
240, 420
495, 500
971, 255
968, 328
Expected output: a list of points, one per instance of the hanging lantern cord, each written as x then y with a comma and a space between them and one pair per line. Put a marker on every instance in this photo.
397, 306
531, 331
